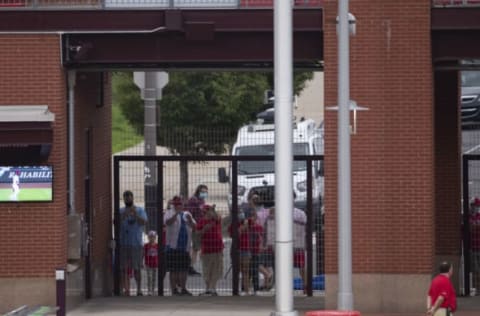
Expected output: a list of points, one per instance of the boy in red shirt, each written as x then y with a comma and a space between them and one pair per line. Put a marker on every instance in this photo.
210, 230
151, 261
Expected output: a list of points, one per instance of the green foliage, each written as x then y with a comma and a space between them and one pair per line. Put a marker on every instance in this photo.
200, 112
299, 80
204, 110
300, 77
126, 95
123, 134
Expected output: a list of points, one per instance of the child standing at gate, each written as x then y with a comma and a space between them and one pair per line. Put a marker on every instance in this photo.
151, 261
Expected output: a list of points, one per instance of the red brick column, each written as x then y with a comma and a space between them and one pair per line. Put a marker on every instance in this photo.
392, 155
33, 236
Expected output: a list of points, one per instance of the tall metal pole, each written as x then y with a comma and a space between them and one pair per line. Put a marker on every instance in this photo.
151, 85
150, 135
345, 296
72, 76
283, 71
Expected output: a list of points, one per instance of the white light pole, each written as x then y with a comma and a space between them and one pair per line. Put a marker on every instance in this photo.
283, 68
151, 84
345, 295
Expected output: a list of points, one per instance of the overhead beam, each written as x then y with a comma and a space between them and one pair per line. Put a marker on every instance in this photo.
229, 38
452, 45
455, 33
466, 18
237, 20
175, 50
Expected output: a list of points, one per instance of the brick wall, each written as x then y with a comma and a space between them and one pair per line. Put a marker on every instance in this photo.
93, 116
392, 153
33, 235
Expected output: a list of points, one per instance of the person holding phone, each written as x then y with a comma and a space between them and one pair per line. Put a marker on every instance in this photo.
132, 227
179, 224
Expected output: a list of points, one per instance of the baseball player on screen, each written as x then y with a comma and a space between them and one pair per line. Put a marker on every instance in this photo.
15, 186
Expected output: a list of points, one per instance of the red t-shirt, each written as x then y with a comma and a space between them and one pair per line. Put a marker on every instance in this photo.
212, 241
243, 238
441, 285
151, 255
194, 206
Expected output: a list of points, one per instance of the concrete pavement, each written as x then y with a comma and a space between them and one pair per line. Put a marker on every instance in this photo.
223, 305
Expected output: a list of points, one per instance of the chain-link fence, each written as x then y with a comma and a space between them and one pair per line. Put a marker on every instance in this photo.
207, 245
471, 223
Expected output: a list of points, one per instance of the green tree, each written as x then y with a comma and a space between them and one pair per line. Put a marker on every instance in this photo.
200, 112
126, 95
195, 105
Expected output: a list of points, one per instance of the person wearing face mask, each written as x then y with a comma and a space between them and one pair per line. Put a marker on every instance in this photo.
195, 207
133, 219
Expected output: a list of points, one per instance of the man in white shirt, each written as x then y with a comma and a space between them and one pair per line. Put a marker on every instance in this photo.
299, 238
179, 224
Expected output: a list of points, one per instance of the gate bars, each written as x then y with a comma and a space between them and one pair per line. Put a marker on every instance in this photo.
233, 160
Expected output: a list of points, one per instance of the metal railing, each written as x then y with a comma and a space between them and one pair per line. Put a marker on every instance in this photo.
145, 4
185, 4
456, 3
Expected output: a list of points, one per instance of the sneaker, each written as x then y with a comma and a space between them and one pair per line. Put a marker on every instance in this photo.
206, 293
192, 271
214, 293
176, 292
185, 292
139, 294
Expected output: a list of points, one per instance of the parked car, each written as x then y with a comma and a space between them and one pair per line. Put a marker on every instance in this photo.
470, 99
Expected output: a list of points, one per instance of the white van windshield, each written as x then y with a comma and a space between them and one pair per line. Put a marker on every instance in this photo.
253, 167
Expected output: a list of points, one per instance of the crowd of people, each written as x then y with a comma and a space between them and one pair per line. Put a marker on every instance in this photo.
192, 230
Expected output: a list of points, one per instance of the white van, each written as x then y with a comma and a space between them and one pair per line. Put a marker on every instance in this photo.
259, 139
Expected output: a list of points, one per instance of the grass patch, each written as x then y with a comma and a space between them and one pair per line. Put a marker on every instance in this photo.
33, 194
123, 134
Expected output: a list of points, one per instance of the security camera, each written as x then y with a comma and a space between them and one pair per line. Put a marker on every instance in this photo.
352, 24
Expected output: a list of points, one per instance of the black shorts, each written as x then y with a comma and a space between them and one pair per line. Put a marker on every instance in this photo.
267, 258
177, 260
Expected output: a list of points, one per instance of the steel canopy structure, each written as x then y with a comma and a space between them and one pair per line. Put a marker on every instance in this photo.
141, 39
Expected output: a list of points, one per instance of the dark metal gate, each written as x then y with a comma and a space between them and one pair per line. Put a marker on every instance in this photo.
129, 174
471, 223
